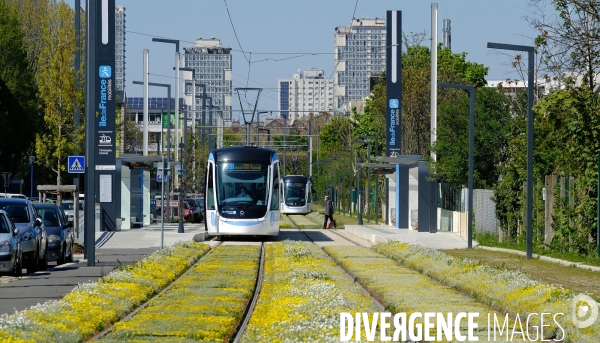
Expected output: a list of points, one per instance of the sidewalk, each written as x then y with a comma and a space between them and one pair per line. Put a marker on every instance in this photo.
385, 233
148, 236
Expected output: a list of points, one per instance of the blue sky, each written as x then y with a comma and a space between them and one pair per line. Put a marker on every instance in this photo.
270, 30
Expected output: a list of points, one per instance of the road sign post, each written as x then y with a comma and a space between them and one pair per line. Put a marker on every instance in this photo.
76, 164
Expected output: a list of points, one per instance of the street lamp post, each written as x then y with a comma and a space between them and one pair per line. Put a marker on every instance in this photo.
530, 66
177, 58
471, 90
168, 86
31, 160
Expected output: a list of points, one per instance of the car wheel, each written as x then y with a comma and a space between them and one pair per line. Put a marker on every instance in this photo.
33, 265
44, 261
61, 259
69, 258
18, 267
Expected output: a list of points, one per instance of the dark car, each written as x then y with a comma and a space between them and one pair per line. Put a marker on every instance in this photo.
195, 210
11, 254
60, 232
201, 204
32, 232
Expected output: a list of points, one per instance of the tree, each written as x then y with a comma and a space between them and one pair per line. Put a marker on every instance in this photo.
570, 44
372, 122
491, 124
55, 77
19, 117
335, 136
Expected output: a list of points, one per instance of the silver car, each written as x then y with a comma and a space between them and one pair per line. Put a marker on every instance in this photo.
32, 232
11, 254
69, 209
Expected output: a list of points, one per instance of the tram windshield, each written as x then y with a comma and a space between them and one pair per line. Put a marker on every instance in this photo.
295, 191
242, 183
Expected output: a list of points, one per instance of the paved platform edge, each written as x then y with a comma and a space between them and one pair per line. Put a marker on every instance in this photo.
544, 258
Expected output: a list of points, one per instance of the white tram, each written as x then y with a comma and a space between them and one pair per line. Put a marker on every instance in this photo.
242, 192
297, 194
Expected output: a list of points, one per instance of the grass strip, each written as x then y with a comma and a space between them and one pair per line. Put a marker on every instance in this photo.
91, 307
205, 305
403, 290
302, 296
508, 290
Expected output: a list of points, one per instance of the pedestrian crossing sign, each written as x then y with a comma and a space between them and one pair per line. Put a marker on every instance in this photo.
76, 164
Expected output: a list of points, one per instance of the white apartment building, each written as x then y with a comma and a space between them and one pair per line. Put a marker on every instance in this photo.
359, 53
120, 52
212, 64
306, 92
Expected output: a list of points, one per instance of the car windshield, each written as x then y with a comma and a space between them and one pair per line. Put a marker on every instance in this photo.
19, 213
4, 224
68, 206
49, 216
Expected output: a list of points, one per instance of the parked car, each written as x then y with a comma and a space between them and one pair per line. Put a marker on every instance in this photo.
11, 253
13, 195
32, 232
69, 209
202, 213
60, 233
195, 210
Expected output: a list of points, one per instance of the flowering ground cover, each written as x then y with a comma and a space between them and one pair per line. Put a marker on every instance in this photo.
205, 305
306, 221
508, 290
91, 307
302, 296
403, 290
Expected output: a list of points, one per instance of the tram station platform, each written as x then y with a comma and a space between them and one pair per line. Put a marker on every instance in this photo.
384, 233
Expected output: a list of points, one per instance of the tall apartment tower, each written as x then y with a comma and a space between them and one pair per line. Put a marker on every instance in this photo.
212, 64
359, 54
447, 41
306, 92
120, 52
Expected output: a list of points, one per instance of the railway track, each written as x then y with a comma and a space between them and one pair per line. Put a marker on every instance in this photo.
240, 326
375, 302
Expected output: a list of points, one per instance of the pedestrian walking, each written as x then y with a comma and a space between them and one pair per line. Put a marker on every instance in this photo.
328, 213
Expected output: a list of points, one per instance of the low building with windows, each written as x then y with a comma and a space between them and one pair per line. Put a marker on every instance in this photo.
158, 109
305, 93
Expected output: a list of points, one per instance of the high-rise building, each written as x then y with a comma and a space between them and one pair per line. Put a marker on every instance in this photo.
212, 63
359, 53
120, 52
306, 92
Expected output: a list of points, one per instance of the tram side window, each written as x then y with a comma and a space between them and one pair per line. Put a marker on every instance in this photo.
275, 190
210, 191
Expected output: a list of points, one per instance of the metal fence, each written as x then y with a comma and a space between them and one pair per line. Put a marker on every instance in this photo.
450, 197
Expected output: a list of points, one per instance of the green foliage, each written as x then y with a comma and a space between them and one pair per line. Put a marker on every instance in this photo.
55, 77
334, 136
19, 117
452, 145
372, 121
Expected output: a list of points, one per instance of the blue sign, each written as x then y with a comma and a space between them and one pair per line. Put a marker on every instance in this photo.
394, 103
76, 164
161, 178
105, 72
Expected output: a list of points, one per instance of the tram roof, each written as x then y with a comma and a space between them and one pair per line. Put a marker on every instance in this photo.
244, 154
295, 178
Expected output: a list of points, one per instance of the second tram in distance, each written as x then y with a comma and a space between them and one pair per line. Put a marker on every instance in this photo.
297, 194
241, 196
